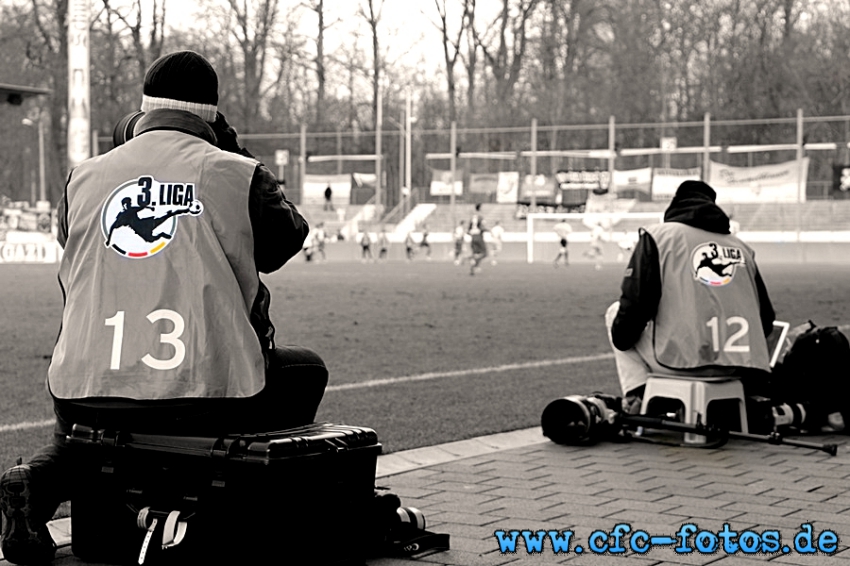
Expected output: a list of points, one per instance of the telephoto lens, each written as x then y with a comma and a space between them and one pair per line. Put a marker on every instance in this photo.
581, 420
123, 131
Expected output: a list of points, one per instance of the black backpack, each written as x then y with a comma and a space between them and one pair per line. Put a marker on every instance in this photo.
816, 371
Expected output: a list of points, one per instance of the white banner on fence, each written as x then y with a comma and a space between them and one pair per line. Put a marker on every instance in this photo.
441, 183
666, 181
633, 179
508, 187
783, 182
315, 185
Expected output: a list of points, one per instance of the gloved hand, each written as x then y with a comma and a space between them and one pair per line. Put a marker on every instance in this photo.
226, 136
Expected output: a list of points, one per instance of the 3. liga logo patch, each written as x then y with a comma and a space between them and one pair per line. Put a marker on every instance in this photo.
139, 218
715, 265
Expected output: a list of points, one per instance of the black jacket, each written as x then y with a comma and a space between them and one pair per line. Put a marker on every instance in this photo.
641, 287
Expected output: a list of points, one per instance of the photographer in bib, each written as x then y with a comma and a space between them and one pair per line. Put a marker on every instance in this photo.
693, 302
165, 327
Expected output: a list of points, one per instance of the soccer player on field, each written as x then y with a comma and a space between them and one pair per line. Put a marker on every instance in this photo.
457, 236
563, 230
496, 233
476, 231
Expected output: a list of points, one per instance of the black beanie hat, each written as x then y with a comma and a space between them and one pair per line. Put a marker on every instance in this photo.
695, 189
183, 80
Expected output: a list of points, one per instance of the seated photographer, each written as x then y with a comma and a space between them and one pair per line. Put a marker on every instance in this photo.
693, 301
165, 328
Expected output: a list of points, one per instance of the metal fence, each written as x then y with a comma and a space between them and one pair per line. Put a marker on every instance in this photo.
549, 148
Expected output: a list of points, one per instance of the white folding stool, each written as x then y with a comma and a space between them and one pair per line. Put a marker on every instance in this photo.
695, 393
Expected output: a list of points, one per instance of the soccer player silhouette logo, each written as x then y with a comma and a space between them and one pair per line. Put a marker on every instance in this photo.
143, 229
715, 265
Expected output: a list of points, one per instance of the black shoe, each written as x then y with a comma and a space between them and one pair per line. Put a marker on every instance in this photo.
24, 541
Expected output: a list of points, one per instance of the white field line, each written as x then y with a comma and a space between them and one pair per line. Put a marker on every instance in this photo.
461, 373
27, 425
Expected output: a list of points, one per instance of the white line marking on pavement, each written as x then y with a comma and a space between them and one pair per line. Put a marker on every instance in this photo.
461, 373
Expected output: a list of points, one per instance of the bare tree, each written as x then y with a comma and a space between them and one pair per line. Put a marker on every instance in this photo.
506, 58
144, 54
451, 50
254, 24
372, 14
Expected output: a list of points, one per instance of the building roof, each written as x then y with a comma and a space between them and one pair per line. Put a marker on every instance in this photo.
14, 94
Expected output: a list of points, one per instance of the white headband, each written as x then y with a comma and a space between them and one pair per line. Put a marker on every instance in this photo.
205, 111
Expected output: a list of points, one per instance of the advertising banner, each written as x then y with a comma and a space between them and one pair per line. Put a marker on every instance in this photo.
484, 183
441, 182
541, 186
840, 182
508, 187
315, 185
633, 179
666, 181
784, 182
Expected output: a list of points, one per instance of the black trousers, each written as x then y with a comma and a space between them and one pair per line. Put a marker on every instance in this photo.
295, 384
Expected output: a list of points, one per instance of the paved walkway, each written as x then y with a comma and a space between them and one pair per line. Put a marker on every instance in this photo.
519, 481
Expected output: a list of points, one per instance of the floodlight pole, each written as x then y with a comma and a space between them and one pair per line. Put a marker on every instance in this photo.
379, 123
407, 152
533, 169
453, 162
706, 143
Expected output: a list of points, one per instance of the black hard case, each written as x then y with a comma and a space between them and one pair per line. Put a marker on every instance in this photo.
298, 496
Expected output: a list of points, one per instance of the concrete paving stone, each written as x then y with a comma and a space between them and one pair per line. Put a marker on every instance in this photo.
828, 506
761, 509
570, 488
465, 467
461, 558
671, 490
391, 561
652, 482
645, 506
694, 501
521, 493
532, 475
476, 545
668, 555
785, 493
412, 477
470, 518
814, 514
457, 477
756, 488
705, 513
810, 560
407, 491
743, 479
586, 559
518, 483
809, 485
782, 523
758, 499
632, 495
470, 498
459, 487
732, 560
649, 522
538, 561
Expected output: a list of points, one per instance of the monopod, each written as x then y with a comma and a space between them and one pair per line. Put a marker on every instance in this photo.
586, 420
